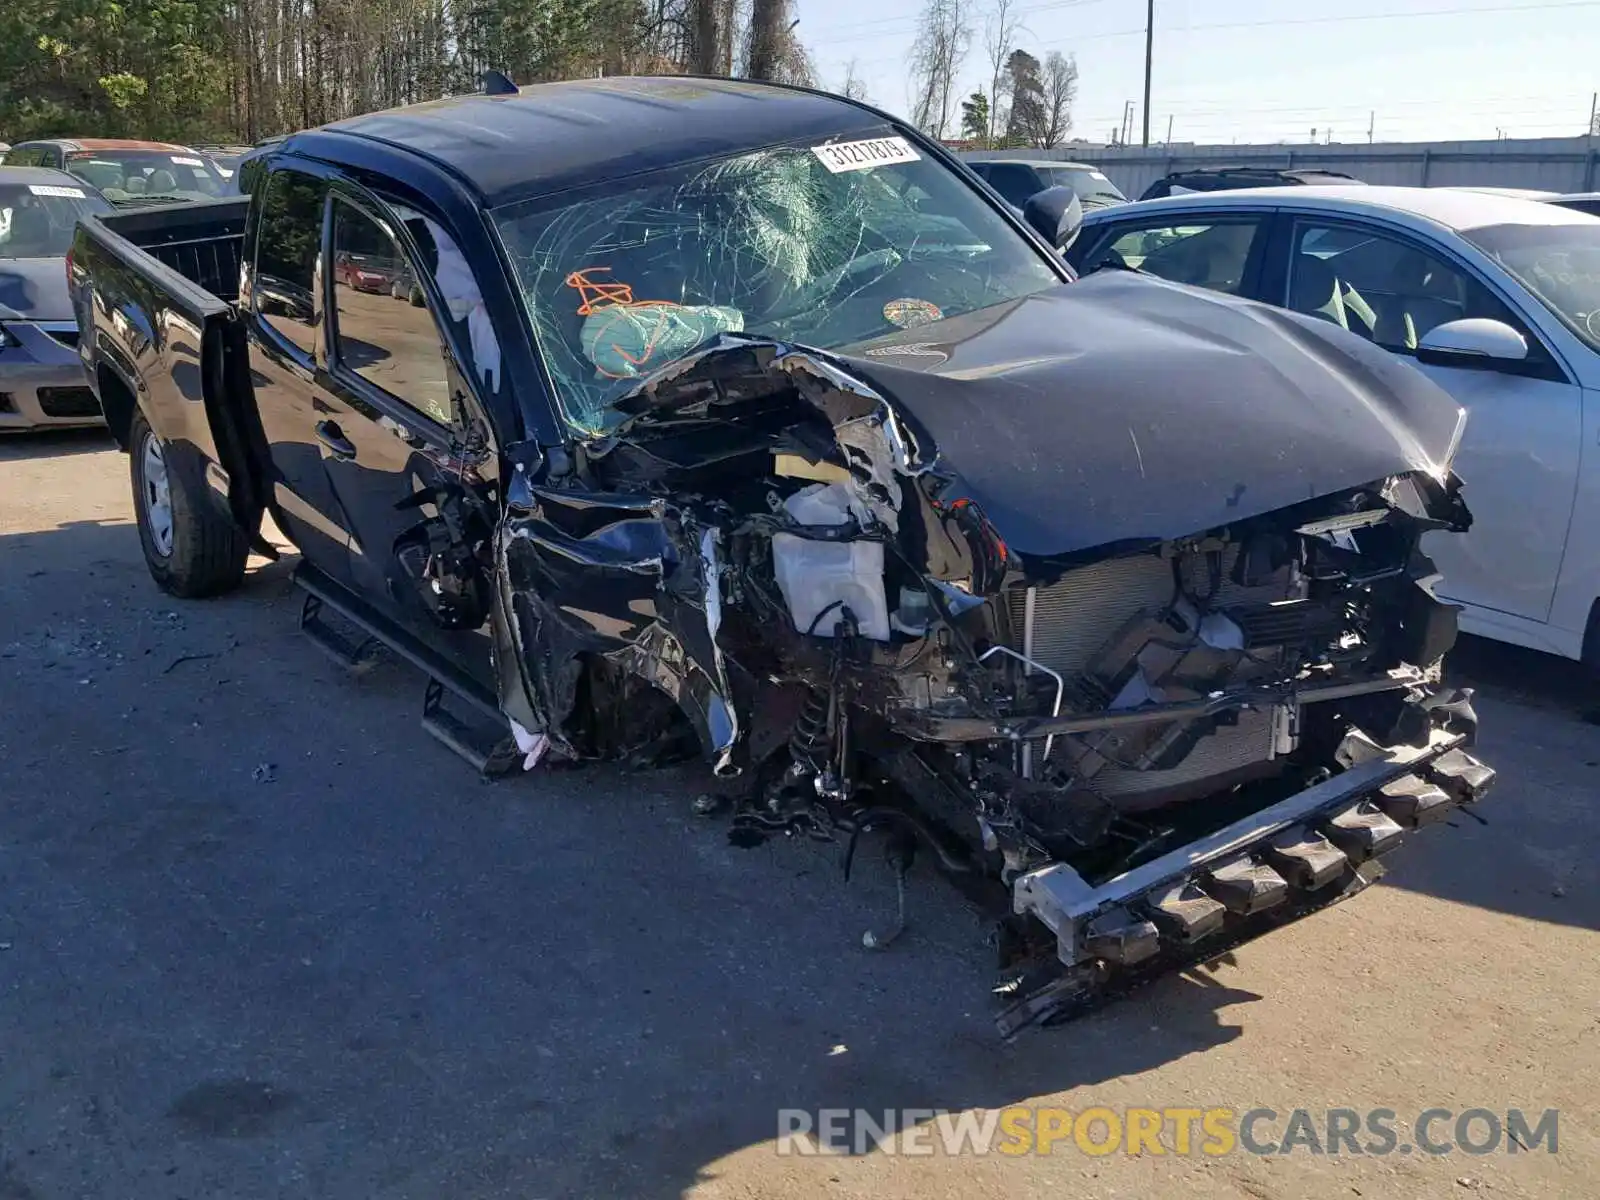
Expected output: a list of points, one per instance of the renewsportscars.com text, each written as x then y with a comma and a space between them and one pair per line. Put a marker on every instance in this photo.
1208, 1132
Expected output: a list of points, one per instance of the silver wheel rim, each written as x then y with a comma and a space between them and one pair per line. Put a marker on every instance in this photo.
156, 495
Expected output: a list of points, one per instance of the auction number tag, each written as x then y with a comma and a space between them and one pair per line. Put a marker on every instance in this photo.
861, 156
51, 189
187, 162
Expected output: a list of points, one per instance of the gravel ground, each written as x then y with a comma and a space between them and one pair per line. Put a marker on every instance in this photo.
261, 937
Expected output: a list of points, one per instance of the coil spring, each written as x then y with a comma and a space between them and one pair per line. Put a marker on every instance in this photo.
810, 731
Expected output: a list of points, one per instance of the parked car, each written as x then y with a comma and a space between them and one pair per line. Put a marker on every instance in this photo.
126, 172
1224, 179
1584, 202
247, 167
41, 380
757, 426
1495, 298
1017, 179
224, 158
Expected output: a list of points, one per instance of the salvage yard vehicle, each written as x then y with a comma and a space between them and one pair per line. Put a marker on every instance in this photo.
1494, 297
740, 420
1017, 179
126, 172
41, 378
1227, 179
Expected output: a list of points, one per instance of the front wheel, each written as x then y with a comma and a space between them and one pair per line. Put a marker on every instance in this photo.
191, 549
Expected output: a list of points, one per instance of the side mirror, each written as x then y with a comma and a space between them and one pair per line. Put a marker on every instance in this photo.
1055, 214
1472, 342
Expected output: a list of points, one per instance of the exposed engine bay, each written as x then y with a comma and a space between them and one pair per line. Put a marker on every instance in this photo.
1134, 754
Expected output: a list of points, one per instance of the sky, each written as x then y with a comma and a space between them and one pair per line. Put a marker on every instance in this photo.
1264, 71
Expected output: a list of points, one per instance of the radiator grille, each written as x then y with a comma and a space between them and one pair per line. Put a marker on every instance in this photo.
1075, 617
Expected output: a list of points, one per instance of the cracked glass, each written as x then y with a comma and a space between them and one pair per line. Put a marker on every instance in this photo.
623, 279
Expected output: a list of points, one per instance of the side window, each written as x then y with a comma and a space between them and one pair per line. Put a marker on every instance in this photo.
1014, 181
1381, 286
248, 174
383, 329
287, 246
1212, 255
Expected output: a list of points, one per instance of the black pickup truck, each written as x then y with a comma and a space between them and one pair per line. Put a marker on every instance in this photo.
741, 420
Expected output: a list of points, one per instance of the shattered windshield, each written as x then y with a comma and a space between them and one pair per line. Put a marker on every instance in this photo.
826, 246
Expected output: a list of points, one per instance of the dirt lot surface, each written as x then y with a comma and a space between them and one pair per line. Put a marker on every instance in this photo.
261, 937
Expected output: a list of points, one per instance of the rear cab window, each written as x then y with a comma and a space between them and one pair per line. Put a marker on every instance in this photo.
288, 243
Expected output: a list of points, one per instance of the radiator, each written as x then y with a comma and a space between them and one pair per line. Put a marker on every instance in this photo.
1062, 626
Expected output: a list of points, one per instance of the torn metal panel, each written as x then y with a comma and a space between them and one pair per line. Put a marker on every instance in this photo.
769, 520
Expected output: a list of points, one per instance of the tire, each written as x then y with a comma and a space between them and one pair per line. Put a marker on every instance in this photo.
190, 548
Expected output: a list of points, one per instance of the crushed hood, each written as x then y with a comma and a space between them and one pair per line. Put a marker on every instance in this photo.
1123, 408
34, 289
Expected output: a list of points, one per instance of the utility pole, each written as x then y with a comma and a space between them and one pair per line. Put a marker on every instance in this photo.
1149, 46
1169, 129
1594, 110
1127, 122
1372, 123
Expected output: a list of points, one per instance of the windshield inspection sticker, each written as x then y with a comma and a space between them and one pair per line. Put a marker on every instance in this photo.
860, 156
50, 189
908, 312
187, 162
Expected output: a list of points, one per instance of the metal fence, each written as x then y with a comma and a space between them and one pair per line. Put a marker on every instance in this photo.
1550, 164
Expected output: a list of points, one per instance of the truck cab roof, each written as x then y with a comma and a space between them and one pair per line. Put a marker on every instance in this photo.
552, 136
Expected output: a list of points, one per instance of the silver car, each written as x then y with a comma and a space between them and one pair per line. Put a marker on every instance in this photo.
1496, 297
41, 377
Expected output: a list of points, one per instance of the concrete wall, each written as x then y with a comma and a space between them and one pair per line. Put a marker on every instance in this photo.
1551, 164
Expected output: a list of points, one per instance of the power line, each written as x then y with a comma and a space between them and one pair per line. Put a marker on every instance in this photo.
911, 22
1272, 23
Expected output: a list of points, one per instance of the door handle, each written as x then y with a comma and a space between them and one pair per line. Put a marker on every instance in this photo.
331, 436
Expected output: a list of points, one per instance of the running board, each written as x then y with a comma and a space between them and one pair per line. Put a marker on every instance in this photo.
357, 654
491, 751
482, 739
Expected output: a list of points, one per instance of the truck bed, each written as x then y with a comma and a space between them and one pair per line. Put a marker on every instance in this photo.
156, 290
200, 241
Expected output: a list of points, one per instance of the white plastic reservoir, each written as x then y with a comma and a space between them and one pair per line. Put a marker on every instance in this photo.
818, 579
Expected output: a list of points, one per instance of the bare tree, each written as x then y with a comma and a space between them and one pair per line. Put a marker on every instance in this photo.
772, 50
769, 25
854, 87
999, 39
1060, 90
706, 34
944, 36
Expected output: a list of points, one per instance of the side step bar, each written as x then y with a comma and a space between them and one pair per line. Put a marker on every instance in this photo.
484, 742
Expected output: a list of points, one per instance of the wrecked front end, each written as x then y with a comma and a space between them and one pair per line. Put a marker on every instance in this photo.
1135, 751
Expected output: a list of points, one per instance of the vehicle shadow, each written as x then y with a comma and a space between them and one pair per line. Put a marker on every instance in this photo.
563, 985
54, 443
567, 985
782, 1072
1532, 850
